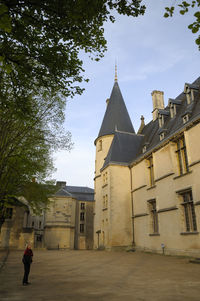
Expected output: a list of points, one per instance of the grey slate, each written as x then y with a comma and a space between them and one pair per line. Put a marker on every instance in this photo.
151, 131
116, 115
126, 148
78, 192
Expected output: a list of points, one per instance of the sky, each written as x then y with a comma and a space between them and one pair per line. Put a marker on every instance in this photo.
152, 53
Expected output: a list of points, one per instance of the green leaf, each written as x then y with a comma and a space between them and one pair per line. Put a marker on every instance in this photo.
3, 9
197, 15
166, 15
195, 29
198, 41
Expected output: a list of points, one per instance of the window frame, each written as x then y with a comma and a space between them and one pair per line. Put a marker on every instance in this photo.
182, 156
190, 219
154, 216
151, 171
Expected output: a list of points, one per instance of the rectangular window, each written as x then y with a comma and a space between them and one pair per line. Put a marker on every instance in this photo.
99, 145
154, 216
81, 228
82, 216
189, 211
182, 156
151, 171
105, 201
82, 206
105, 178
39, 238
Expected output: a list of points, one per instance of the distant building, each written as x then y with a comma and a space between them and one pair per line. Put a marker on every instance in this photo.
147, 188
15, 232
69, 220
68, 224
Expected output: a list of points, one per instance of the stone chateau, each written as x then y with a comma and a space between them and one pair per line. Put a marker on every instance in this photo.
147, 192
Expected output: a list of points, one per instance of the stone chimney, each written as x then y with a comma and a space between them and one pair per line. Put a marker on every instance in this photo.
61, 184
158, 103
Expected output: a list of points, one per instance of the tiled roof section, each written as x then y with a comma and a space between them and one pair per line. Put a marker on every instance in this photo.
116, 116
78, 192
79, 189
123, 149
63, 192
151, 131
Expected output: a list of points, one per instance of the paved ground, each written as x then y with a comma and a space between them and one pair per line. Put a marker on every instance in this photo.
100, 276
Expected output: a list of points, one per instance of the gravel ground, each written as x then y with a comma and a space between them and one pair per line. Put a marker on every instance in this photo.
100, 276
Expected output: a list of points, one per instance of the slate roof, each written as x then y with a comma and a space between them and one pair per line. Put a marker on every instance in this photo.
171, 126
116, 115
124, 148
127, 148
78, 192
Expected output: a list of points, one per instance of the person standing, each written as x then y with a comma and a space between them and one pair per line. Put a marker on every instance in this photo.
27, 260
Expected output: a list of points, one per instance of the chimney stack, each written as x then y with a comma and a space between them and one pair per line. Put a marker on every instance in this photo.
158, 102
61, 184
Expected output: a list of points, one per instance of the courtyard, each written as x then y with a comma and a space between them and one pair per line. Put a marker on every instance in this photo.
99, 276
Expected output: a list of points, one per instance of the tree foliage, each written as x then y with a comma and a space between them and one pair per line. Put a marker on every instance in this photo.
39, 68
28, 138
41, 40
185, 7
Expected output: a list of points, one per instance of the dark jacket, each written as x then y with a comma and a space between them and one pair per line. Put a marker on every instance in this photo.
27, 258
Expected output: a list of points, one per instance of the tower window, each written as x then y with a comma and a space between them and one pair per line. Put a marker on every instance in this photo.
99, 145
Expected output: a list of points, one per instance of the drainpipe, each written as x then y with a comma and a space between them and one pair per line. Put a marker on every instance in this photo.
132, 208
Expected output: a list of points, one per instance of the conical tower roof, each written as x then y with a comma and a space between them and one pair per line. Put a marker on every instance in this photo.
116, 116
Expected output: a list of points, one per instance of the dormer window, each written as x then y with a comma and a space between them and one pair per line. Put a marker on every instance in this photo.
172, 108
162, 136
185, 118
162, 133
173, 104
190, 90
144, 149
162, 114
160, 120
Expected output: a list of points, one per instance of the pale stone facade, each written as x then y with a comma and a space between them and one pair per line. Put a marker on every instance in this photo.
146, 185
69, 220
14, 232
67, 224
